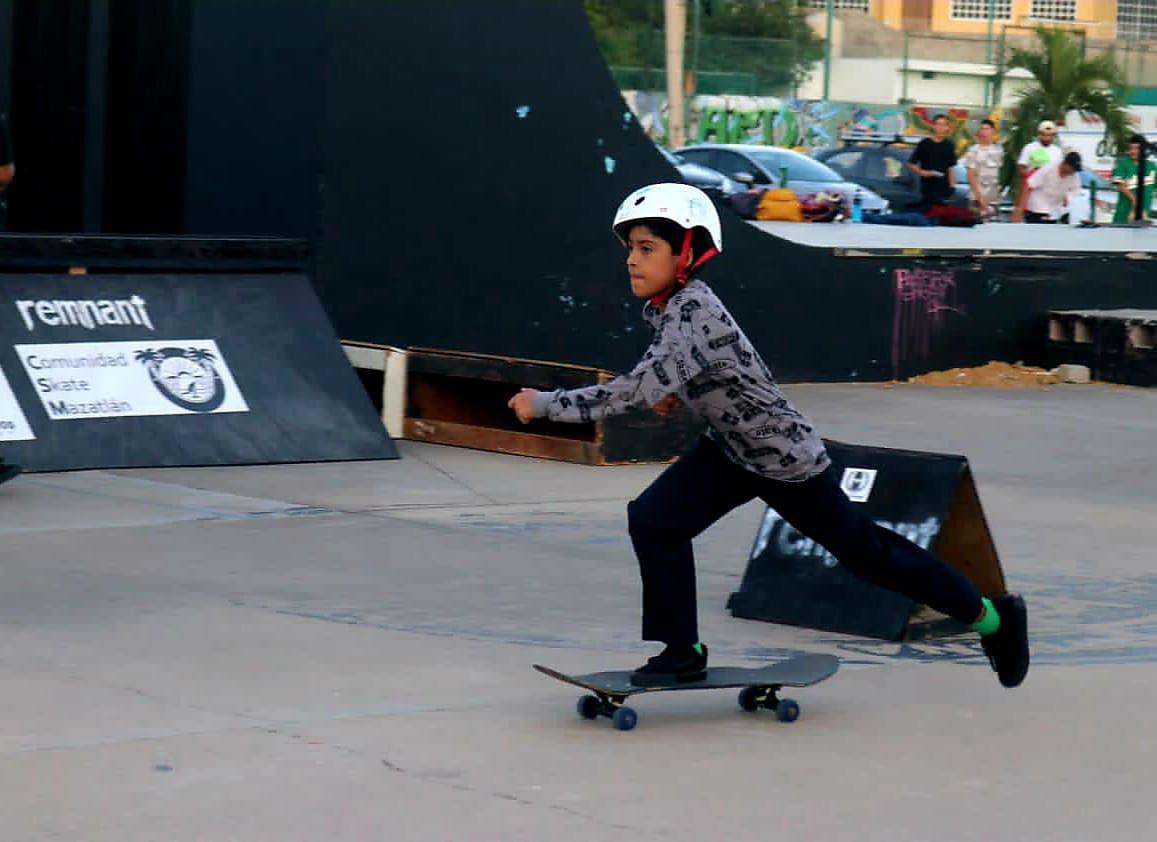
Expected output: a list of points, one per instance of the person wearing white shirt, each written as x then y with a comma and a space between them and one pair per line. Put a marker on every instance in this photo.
1040, 153
1051, 188
1046, 134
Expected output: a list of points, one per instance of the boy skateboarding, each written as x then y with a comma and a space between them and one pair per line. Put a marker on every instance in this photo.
757, 445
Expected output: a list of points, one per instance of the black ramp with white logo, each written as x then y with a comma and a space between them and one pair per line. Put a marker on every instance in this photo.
928, 498
155, 370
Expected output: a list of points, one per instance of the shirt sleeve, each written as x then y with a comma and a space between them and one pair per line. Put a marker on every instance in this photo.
1023, 159
917, 156
1119, 171
1034, 180
671, 361
971, 158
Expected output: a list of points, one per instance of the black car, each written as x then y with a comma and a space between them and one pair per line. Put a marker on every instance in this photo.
878, 163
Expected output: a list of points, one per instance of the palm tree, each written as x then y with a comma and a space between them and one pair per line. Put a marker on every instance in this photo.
1065, 81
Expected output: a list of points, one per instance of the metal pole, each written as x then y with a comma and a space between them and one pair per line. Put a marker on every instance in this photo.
998, 82
695, 46
904, 73
988, 88
675, 12
1139, 203
828, 52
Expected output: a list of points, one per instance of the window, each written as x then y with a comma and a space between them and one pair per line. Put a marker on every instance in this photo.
858, 5
703, 157
890, 165
978, 9
1064, 10
847, 162
732, 164
1136, 19
799, 167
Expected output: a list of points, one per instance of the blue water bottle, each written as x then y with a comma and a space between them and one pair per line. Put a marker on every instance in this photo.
857, 208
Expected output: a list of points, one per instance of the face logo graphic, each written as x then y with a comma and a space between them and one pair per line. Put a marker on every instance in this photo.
186, 376
857, 483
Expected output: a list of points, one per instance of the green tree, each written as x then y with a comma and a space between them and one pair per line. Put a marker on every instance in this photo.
1064, 81
768, 39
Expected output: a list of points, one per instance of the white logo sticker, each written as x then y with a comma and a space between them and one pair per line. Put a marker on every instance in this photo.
114, 379
857, 483
13, 424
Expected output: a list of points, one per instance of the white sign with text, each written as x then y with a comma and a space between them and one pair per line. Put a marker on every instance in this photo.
78, 380
13, 424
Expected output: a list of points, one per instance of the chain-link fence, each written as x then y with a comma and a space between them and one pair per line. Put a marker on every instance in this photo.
716, 64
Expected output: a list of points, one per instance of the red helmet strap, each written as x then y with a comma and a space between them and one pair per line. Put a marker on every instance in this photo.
684, 267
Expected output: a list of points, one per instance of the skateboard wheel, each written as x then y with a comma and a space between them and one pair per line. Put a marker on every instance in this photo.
749, 699
588, 707
787, 710
625, 719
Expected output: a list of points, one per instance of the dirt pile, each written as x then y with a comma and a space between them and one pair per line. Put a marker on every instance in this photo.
994, 374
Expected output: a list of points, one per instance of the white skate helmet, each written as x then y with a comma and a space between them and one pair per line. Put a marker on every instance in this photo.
683, 204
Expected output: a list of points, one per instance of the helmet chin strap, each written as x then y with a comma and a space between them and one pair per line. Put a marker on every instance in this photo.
683, 268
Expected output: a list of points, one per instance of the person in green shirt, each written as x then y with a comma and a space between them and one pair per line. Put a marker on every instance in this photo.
1125, 179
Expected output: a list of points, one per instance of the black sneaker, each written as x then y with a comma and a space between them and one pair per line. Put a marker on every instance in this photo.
1007, 649
674, 665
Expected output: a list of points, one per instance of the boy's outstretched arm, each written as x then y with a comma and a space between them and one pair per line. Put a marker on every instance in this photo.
671, 361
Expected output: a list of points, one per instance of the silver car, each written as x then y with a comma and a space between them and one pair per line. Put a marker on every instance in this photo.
700, 176
760, 166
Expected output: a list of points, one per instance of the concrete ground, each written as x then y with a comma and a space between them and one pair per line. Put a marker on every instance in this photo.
343, 651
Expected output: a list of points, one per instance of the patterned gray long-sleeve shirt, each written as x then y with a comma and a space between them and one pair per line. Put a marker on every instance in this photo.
699, 353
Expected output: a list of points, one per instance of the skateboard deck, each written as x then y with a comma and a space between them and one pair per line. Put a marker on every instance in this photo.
761, 686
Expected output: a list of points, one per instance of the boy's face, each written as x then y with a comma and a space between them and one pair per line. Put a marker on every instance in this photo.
650, 261
941, 128
985, 133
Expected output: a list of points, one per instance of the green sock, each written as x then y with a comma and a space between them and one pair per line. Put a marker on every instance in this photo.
698, 647
990, 622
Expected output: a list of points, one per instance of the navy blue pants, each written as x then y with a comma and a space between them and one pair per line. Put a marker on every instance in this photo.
704, 485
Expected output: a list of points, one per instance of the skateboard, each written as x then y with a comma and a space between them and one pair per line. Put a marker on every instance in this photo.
761, 686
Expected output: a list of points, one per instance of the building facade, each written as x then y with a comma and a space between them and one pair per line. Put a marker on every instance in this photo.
1100, 19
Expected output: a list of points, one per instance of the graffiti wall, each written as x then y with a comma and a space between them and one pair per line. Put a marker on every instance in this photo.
795, 123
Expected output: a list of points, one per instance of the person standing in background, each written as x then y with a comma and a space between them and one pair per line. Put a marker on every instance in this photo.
934, 160
982, 162
1051, 188
1125, 180
1042, 152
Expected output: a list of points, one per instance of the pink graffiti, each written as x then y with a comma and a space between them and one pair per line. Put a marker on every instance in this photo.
922, 297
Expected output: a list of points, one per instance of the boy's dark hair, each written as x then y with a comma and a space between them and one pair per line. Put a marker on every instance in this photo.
672, 234
1073, 159
988, 123
1137, 138
940, 117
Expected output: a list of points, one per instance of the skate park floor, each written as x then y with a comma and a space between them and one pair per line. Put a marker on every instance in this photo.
343, 650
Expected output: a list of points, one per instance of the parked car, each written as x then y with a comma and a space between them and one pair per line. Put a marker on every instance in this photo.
760, 166
877, 162
700, 176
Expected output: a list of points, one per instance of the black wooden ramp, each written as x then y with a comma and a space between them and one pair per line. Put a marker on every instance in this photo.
927, 498
152, 370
